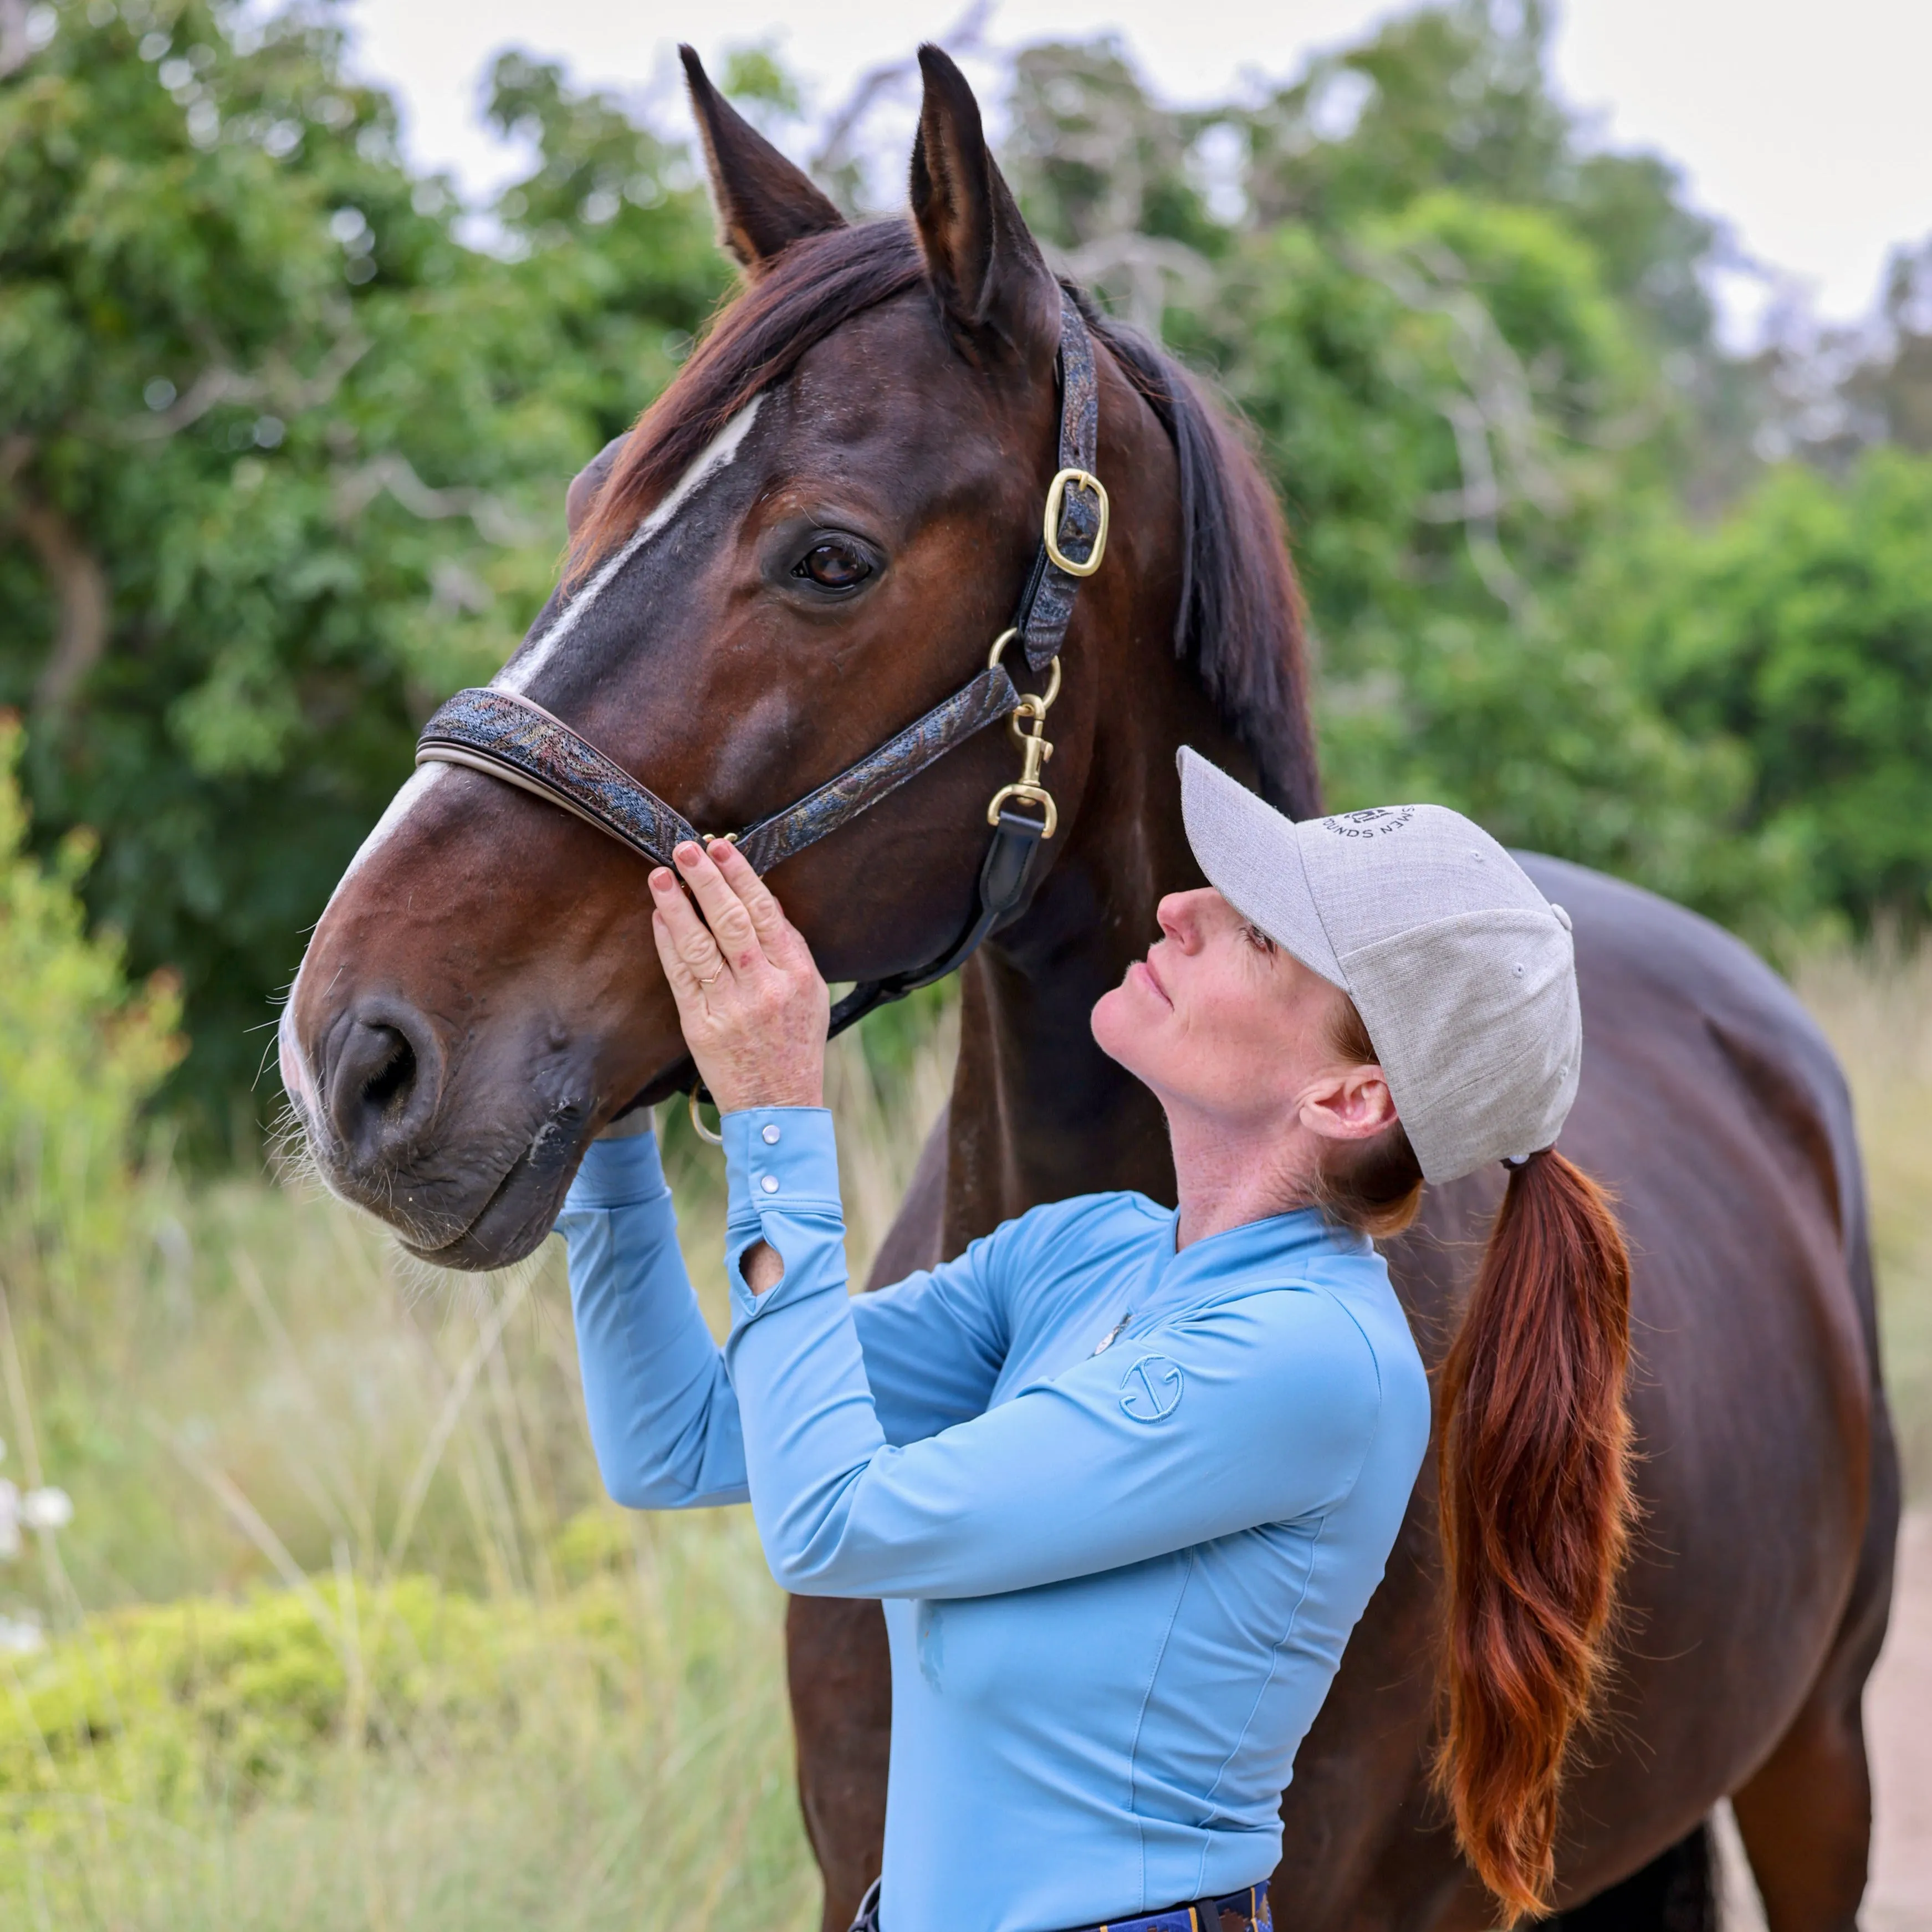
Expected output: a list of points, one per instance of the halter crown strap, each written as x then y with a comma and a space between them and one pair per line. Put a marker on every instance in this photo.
511, 738
1076, 507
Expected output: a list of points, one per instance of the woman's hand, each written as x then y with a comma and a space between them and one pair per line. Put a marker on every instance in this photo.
752, 1005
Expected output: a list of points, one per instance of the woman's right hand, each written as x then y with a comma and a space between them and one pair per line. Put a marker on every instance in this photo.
753, 1007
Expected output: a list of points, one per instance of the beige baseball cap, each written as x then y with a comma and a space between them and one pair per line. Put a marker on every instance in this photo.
1463, 973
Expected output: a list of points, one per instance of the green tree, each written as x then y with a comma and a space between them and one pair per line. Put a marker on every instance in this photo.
1441, 400
1466, 346
281, 461
612, 241
1478, 357
1799, 633
1457, 96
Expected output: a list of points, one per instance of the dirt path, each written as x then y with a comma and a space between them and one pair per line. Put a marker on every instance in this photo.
1898, 1723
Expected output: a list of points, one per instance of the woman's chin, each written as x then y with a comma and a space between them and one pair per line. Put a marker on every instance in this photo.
1115, 1026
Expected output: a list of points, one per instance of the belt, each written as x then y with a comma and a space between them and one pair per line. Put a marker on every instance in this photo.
1244, 1911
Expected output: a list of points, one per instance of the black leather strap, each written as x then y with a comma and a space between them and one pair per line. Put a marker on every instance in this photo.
1249, 1909
1006, 881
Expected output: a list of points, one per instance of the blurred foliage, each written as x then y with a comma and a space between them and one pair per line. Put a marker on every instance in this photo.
79, 1054
417, 1672
1890, 389
1481, 364
1874, 1004
1799, 633
174, 1704
284, 430
282, 460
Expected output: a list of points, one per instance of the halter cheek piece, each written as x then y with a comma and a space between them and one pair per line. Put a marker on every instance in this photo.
511, 737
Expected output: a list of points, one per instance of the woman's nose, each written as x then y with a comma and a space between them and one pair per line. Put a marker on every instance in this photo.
1176, 918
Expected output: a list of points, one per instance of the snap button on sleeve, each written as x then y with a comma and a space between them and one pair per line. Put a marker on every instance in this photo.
769, 1182
771, 1135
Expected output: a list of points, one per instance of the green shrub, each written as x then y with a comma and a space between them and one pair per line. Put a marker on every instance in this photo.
80, 1053
621, 1746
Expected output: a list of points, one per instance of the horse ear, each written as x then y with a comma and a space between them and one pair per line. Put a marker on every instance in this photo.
763, 202
981, 258
585, 485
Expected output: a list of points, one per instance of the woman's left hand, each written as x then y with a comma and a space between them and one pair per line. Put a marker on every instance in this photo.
754, 1008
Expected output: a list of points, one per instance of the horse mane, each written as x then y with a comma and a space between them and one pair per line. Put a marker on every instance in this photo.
1239, 623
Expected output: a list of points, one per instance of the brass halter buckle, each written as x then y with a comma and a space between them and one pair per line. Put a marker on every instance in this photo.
1028, 727
1056, 500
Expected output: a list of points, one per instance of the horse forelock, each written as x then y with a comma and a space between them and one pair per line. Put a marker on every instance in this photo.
523, 669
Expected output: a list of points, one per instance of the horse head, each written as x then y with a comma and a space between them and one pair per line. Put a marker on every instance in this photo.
813, 535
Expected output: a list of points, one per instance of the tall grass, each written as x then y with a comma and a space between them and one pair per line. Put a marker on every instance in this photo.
1876, 1006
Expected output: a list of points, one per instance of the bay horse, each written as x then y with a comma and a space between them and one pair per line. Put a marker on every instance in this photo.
812, 536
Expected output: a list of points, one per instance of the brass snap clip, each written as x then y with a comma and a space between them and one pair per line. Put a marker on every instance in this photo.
1027, 725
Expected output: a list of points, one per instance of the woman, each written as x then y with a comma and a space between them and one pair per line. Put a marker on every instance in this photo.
1125, 1478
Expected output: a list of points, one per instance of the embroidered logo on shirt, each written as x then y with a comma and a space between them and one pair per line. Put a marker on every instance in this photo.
1152, 1389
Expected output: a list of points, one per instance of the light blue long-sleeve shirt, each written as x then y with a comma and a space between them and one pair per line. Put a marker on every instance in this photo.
1117, 1584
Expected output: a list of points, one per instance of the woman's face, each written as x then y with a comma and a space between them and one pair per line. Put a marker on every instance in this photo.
1219, 1021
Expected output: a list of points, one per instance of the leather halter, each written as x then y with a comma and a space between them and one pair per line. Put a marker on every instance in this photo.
508, 737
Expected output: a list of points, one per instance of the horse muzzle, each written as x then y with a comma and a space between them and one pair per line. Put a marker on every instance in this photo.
468, 1171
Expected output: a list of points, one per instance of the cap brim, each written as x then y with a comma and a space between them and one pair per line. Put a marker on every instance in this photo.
1252, 855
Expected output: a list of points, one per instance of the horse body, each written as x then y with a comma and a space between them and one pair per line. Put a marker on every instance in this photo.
1754, 1604
481, 996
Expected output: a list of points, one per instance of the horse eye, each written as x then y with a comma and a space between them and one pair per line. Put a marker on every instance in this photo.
833, 566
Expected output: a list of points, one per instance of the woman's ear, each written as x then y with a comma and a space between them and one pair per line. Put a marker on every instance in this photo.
1354, 1104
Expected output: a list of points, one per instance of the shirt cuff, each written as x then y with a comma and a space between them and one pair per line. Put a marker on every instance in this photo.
782, 1172
779, 1157
618, 1173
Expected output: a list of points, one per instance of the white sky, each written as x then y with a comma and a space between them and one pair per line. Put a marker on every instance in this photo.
1806, 126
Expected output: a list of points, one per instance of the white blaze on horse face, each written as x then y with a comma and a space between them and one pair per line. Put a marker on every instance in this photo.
297, 1081
521, 672
717, 453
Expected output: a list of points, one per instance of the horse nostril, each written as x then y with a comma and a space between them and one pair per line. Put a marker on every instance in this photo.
377, 1096
393, 1076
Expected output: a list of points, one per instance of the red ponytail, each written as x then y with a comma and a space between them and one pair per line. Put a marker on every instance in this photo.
1536, 1516
1536, 1501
